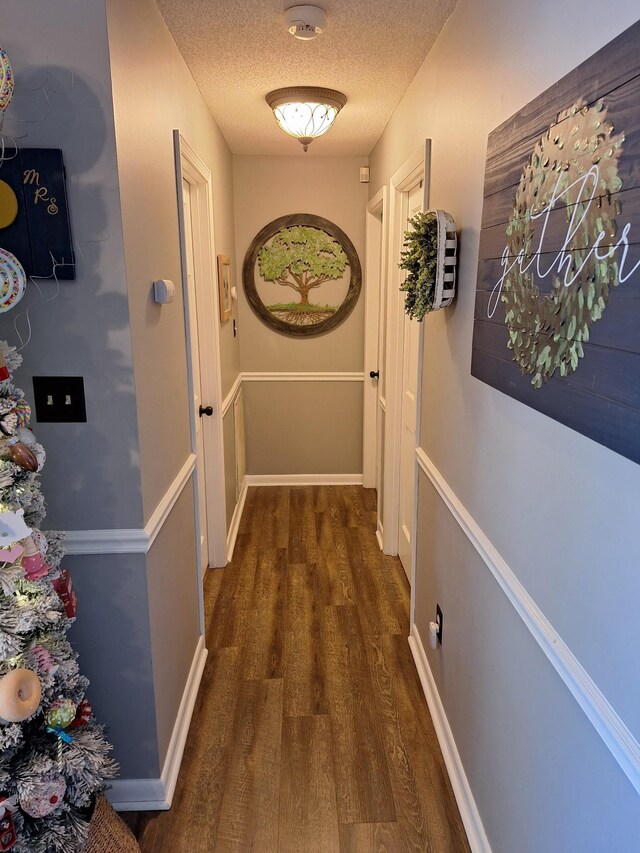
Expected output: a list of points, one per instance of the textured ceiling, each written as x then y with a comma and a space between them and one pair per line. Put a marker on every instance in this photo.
238, 50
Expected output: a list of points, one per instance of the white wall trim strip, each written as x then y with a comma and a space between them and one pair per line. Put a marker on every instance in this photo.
618, 738
135, 540
303, 479
303, 377
161, 512
127, 795
462, 790
235, 521
228, 400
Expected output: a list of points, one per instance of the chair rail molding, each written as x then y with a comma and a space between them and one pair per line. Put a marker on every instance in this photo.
132, 540
301, 376
228, 400
601, 714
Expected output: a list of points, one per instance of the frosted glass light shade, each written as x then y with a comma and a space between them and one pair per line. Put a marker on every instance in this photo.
305, 112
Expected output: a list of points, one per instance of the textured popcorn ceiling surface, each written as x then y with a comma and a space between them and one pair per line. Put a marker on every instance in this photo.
238, 50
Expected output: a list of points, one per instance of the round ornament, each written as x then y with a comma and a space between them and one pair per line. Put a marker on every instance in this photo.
8, 205
6, 80
60, 714
45, 797
20, 694
13, 280
22, 456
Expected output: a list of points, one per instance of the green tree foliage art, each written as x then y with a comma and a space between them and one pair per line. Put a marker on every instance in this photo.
302, 258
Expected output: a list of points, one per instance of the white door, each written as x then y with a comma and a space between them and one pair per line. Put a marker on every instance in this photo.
412, 203
190, 266
380, 395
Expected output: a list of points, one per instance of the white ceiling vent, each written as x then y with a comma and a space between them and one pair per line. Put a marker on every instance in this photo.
305, 22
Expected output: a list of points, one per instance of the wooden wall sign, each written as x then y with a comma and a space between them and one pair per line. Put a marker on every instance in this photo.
34, 214
301, 275
557, 314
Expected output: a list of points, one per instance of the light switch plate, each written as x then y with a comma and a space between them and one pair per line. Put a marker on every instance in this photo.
59, 399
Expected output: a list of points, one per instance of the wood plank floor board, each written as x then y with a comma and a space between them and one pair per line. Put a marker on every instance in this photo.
372, 590
362, 774
371, 838
262, 617
304, 671
249, 810
308, 819
311, 731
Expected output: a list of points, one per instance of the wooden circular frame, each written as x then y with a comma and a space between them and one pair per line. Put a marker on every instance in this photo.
249, 266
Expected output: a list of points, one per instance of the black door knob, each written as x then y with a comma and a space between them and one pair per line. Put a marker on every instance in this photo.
374, 374
206, 410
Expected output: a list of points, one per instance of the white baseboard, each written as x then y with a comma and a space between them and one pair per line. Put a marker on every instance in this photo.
303, 479
235, 521
127, 795
379, 538
478, 840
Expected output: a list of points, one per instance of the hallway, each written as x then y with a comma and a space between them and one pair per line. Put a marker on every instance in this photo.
311, 731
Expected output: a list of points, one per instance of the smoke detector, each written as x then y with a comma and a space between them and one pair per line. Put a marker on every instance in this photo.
305, 22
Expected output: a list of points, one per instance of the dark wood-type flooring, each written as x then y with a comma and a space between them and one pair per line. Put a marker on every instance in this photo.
311, 731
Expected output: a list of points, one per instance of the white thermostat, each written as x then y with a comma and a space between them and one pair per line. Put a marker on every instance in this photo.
163, 291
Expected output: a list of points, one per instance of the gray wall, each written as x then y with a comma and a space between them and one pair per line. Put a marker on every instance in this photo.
63, 100
303, 427
111, 634
138, 622
559, 508
153, 94
266, 188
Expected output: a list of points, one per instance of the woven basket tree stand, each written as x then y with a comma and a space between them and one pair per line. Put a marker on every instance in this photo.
108, 833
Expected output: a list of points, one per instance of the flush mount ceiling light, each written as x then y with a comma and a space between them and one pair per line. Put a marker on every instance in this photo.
305, 112
305, 22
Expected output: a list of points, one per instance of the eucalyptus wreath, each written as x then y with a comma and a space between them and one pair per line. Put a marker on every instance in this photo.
419, 258
547, 330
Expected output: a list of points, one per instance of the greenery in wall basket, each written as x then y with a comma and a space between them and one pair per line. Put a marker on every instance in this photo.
428, 256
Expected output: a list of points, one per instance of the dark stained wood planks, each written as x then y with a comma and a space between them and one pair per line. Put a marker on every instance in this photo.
311, 731
600, 397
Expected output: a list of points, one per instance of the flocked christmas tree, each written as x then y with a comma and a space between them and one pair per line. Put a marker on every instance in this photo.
54, 758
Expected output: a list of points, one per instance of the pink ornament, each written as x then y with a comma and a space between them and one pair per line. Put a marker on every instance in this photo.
44, 659
46, 797
8, 835
33, 562
10, 555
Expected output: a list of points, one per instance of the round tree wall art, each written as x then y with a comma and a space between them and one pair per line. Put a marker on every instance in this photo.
302, 275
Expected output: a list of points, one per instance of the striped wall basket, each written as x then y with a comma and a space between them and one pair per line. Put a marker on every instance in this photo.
447, 259
429, 257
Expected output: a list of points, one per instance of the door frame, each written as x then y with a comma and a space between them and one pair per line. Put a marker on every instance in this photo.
412, 171
375, 274
190, 167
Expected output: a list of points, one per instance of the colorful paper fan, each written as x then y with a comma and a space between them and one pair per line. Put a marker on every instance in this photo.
13, 280
6, 80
